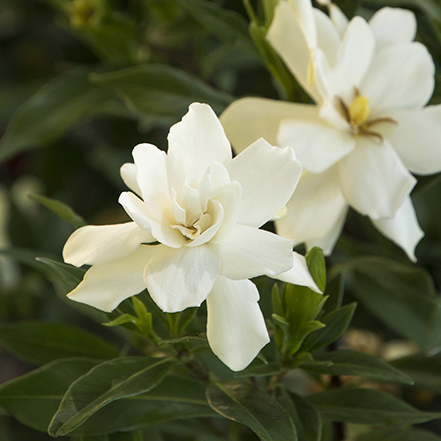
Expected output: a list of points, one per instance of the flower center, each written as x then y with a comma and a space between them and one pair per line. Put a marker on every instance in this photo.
358, 113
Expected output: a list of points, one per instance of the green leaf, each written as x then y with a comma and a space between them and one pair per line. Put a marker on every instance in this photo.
259, 369
306, 419
367, 406
225, 24
401, 296
33, 398
336, 323
62, 210
396, 434
334, 291
107, 382
160, 92
68, 274
315, 260
173, 399
52, 110
349, 362
40, 343
245, 404
425, 371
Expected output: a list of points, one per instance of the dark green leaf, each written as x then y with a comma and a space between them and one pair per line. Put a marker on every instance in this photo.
334, 291
107, 382
348, 362
33, 398
68, 274
395, 434
367, 406
40, 343
336, 323
425, 371
306, 419
259, 369
245, 404
401, 296
173, 399
52, 110
160, 92
62, 210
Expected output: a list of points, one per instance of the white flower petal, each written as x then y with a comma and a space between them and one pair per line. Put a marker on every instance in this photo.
268, 176
182, 278
304, 13
152, 179
317, 144
354, 58
249, 252
248, 119
288, 38
374, 181
299, 274
194, 143
393, 26
236, 328
128, 172
136, 209
403, 228
417, 138
101, 244
106, 286
328, 36
400, 77
338, 18
229, 198
315, 208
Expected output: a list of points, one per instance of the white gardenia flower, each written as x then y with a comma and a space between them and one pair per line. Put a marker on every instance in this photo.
204, 209
368, 129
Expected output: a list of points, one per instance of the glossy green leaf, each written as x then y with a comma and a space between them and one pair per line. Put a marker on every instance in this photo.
395, 434
41, 342
259, 369
317, 266
349, 362
245, 404
401, 296
57, 106
33, 398
367, 406
62, 210
159, 92
336, 323
306, 419
68, 274
173, 399
107, 382
425, 371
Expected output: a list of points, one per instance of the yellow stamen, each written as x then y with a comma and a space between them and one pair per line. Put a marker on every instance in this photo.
359, 110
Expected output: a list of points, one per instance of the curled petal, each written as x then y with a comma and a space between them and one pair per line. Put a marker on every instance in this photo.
403, 228
129, 173
136, 209
268, 176
373, 179
182, 278
249, 252
106, 286
236, 328
101, 244
299, 274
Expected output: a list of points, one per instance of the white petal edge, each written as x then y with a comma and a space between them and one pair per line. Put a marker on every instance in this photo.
393, 26
236, 329
136, 209
101, 244
299, 274
182, 278
268, 176
249, 252
128, 172
403, 228
106, 286
248, 119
